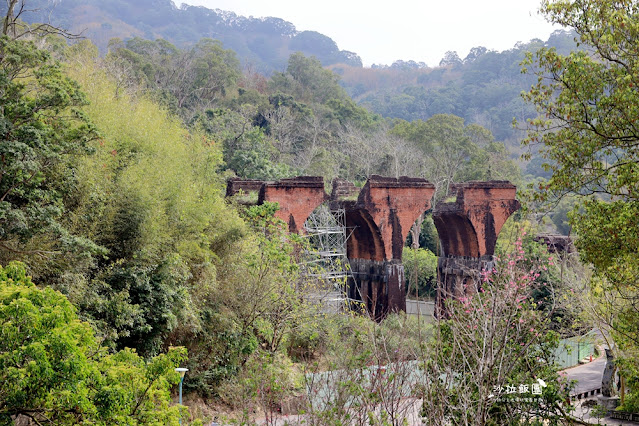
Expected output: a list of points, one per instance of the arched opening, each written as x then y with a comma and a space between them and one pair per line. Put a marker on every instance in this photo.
365, 241
419, 258
456, 234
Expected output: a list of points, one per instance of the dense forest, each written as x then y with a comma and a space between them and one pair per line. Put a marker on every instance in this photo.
122, 259
262, 43
483, 88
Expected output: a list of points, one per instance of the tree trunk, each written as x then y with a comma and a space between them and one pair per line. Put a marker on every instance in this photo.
416, 229
9, 17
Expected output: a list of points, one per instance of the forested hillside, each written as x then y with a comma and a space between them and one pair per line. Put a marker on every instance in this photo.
112, 181
261, 43
301, 121
121, 258
483, 88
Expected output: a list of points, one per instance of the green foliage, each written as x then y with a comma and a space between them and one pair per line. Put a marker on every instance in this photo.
250, 157
269, 380
172, 263
322, 47
456, 152
549, 283
560, 213
266, 43
591, 148
185, 80
253, 165
420, 264
152, 196
42, 132
483, 89
52, 368
586, 127
493, 338
428, 238
308, 82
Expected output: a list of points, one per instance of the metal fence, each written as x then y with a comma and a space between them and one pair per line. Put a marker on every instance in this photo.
571, 350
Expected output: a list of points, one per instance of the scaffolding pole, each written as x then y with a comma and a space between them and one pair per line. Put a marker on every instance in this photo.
326, 260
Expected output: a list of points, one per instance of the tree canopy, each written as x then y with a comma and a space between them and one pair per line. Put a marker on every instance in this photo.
587, 132
52, 368
42, 129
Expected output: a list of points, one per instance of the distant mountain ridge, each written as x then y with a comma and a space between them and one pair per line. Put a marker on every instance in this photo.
262, 43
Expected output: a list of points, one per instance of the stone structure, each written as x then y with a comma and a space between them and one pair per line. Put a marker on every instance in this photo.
297, 197
556, 243
468, 228
608, 400
380, 220
608, 376
235, 186
343, 189
380, 217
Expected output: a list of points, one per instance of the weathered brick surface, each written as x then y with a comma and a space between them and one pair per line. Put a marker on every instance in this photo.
235, 185
365, 241
459, 276
375, 284
381, 219
297, 197
470, 225
468, 229
394, 205
343, 189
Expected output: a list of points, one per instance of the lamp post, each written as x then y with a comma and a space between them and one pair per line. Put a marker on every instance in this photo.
182, 372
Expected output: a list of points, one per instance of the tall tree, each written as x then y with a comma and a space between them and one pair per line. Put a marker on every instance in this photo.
41, 132
188, 81
588, 132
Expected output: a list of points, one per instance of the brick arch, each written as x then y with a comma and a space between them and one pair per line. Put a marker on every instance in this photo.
457, 235
297, 197
394, 204
470, 225
468, 229
366, 240
380, 219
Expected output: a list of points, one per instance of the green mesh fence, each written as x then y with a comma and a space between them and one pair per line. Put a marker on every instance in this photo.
571, 350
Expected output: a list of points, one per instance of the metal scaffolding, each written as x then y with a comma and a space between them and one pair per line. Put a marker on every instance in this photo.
326, 260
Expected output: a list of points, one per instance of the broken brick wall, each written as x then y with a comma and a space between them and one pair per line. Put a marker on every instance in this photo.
468, 229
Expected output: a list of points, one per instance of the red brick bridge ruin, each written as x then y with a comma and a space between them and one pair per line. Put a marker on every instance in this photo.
380, 216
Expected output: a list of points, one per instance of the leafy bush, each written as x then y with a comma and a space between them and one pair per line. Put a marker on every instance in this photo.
420, 264
53, 369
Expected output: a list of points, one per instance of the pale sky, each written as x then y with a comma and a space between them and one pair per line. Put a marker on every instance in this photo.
382, 32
